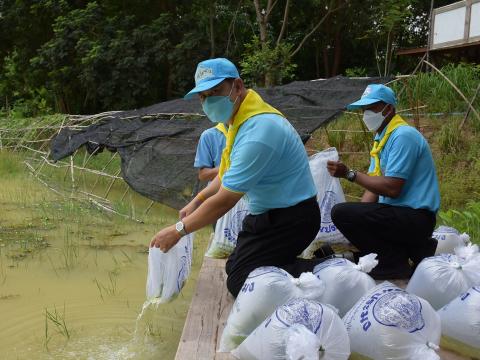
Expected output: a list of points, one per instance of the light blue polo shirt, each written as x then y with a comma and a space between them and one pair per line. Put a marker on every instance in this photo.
406, 155
209, 149
269, 164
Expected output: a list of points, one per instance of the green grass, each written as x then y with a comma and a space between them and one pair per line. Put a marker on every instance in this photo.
57, 320
432, 90
467, 220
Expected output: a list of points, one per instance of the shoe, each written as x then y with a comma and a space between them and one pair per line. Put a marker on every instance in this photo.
392, 273
346, 255
323, 251
428, 249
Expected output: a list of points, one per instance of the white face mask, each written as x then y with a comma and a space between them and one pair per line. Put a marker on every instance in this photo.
373, 120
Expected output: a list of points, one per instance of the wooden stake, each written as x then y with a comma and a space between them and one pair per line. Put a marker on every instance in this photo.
149, 207
112, 182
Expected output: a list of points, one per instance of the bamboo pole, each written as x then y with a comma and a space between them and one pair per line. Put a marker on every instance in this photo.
67, 166
103, 169
40, 167
471, 106
149, 207
111, 183
125, 193
71, 172
94, 202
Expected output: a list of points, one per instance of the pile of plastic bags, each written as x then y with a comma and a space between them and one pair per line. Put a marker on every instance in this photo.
461, 324
300, 329
389, 323
448, 239
264, 290
439, 279
345, 282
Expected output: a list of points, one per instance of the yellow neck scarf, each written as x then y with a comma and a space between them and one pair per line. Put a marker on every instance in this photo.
222, 128
396, 122
252, 105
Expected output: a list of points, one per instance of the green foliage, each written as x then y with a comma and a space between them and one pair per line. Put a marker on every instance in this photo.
356, 72
91, 56
433, 90
275, 61
387, 22
467, 220
116, 63
450, 137
336, 139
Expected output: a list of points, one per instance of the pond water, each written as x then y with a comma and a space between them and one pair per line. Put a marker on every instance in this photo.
72, 279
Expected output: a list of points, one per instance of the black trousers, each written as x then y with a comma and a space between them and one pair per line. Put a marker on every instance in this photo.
395, 233
274, 238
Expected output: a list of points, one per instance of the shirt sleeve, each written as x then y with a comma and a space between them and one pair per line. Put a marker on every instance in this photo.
402, 156
371, 167
204, 157
249, 164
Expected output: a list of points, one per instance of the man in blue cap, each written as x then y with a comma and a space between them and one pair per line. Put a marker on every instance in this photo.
264, 159
396, 215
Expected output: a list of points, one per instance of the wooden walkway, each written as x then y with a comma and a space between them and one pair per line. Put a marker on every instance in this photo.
207, 315
209, 311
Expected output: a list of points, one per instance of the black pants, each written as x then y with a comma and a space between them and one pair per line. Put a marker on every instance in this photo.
274, 238
395, 233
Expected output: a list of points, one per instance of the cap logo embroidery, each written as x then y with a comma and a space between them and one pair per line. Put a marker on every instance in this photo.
367, 91
203, 73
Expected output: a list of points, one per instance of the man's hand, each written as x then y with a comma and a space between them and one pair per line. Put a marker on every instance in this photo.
207, 174
189, 208
166, 239
337, 169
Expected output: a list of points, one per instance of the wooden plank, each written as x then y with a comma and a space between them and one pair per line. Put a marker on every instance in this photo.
225, 307
208, 311
449, 355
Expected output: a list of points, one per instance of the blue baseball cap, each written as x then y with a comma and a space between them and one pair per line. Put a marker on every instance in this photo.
210, 73
373, 94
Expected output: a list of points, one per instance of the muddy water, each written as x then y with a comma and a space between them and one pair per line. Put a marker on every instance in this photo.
72, 280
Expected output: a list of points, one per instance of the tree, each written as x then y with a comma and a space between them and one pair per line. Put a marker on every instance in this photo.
275, 50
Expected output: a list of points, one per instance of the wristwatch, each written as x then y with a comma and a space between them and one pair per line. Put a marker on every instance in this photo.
180, 227
351, 175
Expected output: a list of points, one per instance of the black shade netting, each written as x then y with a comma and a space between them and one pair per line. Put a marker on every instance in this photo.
157, 144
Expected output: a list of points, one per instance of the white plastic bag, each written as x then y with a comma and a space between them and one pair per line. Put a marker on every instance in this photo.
264, 290
300, 329
440, 279
168, 272
226, 231
389, 323
345, 282
329, 193
448, 239
461, 324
